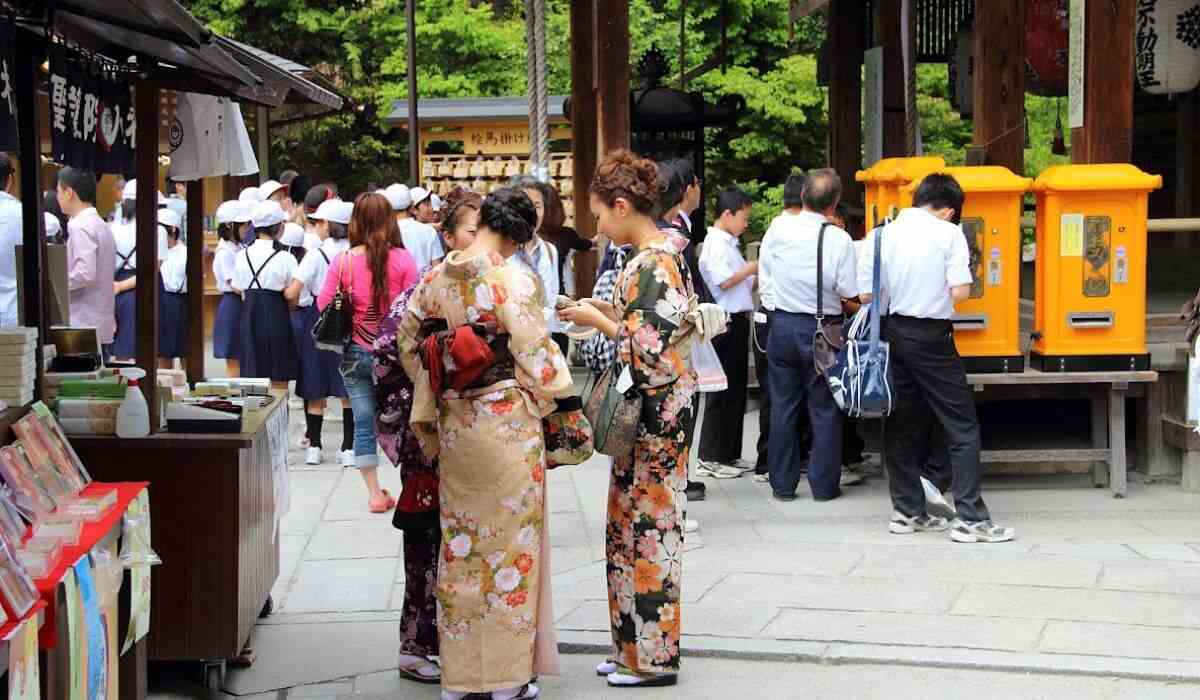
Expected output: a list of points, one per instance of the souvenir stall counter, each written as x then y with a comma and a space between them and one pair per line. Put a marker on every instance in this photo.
218, 499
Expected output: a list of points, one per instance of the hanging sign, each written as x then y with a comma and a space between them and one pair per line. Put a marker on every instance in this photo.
872, 106
8, 93
91, 114
1167, 46
490, 140
1075, 58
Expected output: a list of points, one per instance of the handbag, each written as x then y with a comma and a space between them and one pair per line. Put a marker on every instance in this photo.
829, 339
568, 434
334, 327
613, 414
861, 379
417, 509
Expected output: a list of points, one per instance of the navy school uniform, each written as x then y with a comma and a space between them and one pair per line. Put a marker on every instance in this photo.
173, 325
319, 373
124, 343
268, 343
227, 327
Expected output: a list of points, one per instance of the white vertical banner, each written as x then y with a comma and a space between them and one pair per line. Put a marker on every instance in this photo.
872, 106
1075, 77
908, 52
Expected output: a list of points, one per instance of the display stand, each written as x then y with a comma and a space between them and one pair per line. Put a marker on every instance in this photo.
215, 526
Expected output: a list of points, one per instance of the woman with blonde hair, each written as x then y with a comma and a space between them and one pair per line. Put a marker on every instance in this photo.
374, 271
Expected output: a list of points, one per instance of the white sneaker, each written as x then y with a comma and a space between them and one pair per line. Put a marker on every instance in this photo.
762, 478
313, 455
742, 465
606, 667
716, 470
980, 531
348, 458
901, 524
690, 525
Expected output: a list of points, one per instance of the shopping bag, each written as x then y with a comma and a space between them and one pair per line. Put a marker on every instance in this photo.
709, 373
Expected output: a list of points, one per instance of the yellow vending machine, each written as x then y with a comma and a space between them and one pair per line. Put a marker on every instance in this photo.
885, 185
987, 326
1090, 303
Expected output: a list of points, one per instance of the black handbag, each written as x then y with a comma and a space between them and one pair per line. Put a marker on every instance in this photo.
335, 325
829, 338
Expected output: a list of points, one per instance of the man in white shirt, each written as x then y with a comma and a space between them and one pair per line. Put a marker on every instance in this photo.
925, 271
793, 204
10, 238
789, 256
731, 280
420, 240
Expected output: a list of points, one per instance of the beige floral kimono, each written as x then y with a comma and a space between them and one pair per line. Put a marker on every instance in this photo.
493, 578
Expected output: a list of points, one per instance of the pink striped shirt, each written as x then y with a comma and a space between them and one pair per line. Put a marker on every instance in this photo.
402, 274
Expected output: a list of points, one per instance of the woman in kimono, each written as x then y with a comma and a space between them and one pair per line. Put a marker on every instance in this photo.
650, 318
417, 509
485, 372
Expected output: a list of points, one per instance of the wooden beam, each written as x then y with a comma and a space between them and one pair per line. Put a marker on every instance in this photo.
195, 281
146, 293
1107, 133
844, 23
887, 27
585, 146
612, 43
34, 273
262, 142
999, 49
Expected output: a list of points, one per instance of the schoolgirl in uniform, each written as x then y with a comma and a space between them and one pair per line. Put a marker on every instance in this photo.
319, 375
233, 218
262, 273
124, 232
172, 293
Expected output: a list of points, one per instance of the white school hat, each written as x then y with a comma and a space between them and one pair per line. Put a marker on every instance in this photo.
399, 196
170, 217
436, 201
250, 195
233, 212
334, 210
269, 188
419, 194
130, 192
293, 235
267, 213
53, 226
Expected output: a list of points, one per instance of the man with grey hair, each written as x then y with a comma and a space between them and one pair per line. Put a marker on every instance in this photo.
788, 257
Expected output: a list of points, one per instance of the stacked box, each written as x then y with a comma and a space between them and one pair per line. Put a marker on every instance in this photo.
18, 365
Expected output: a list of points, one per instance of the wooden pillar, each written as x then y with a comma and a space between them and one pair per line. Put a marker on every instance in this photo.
612, 63
34, 273
1185, 166
1000, 83
844, 22
146, 293
195, 280
585, 128
262, 142
414, 126
887, 28
1107, 133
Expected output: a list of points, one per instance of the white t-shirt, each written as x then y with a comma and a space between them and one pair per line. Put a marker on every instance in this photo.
923, 257
174, 269
720, 259
274, 276
10, 237
421, 241
315, 267
223, 264
125, 243
788, 259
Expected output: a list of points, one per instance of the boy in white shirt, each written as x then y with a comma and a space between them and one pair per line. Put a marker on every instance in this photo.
731, 281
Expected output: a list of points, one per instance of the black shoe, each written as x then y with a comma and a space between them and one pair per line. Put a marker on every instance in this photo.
822, 499
784, 496
695, 491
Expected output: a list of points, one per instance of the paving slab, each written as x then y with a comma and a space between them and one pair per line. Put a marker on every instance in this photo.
905, 629
1132, 641
354, 539
1182, 578
321, 690
970, 565
342, 585
834, 593
801, 559
1166, 551
1122, 607
287, 657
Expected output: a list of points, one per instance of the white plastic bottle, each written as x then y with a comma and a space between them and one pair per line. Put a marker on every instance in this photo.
133, 416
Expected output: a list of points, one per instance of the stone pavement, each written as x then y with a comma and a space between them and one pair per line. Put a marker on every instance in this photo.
1093, 586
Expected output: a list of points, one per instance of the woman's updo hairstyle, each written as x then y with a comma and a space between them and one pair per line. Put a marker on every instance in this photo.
509, 212
458, 202
624, 174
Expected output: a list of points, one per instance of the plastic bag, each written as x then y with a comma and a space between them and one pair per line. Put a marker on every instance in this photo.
710, 374
135, 534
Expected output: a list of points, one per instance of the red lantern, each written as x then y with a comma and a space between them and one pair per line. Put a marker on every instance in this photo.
1047, 35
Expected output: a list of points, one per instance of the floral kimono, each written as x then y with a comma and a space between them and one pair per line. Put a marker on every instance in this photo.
492, 577
644, 537
422, 536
